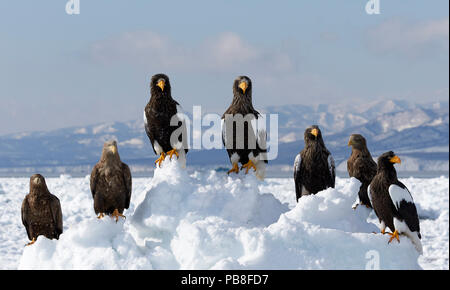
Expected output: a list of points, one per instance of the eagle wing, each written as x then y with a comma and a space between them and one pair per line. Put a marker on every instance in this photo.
127, 178
94, 179
148, 131
404, 204
297, 176
183, 139
55, 207
25, 211
364, 170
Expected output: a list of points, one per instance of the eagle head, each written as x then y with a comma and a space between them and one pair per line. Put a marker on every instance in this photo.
37, 182
242, 86
110, 150
388, 159
160, 85
357, 141
312, 134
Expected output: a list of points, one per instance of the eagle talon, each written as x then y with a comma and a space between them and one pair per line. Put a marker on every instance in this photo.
248, 165
234, 169
394, 236
160, 159
172, 152
116, 215
101, 215
32, 242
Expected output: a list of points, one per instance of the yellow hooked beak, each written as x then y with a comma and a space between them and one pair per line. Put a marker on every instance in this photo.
395, 159
243, 86
350, 143
113, 149
315, 132
161, 84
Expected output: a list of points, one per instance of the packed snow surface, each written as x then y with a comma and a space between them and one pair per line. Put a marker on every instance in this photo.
209, 220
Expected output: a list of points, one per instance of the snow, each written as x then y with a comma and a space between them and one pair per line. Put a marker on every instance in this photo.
207, 220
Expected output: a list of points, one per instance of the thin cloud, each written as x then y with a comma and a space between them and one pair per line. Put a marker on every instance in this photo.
223, 53
410, 39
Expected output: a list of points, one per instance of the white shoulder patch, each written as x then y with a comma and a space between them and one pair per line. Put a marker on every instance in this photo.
297, 162
145, 119
331, 164
398, 194
369, 195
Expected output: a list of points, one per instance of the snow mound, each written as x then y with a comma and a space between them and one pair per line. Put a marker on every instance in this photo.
213, 221
92, 244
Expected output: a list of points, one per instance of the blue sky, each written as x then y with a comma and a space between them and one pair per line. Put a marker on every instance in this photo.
59, 70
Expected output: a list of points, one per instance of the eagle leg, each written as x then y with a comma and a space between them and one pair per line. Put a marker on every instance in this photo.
394, 236
32, 242
172, 152
160, 159
248, 165
234, 169
101, 215
116, 215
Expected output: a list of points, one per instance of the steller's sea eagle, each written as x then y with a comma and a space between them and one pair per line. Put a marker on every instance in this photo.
314, 166
158, 115
393, 203
244, 141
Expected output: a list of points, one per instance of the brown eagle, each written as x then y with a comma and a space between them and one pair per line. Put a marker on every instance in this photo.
168, 136
314, 168
361, 166
244, 142
111, 183
41, 211
393, 203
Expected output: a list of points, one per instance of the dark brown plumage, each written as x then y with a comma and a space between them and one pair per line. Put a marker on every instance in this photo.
361, 166
41, 211
111, 183
157, 117
244, 144
314, 168
392, 201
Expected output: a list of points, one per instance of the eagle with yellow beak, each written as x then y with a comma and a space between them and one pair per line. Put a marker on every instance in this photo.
361, 166
244, 140
393, 203
110, 183
314, 168
164, 126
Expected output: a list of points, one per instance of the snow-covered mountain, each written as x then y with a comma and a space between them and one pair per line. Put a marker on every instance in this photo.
418, 132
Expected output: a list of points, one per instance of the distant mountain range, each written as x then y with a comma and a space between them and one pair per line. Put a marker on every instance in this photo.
418, 132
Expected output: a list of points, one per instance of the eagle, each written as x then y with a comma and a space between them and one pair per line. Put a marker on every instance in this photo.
361, 166
314, 168
41, 211
164, 126
244, 141
393, 203
110, 183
